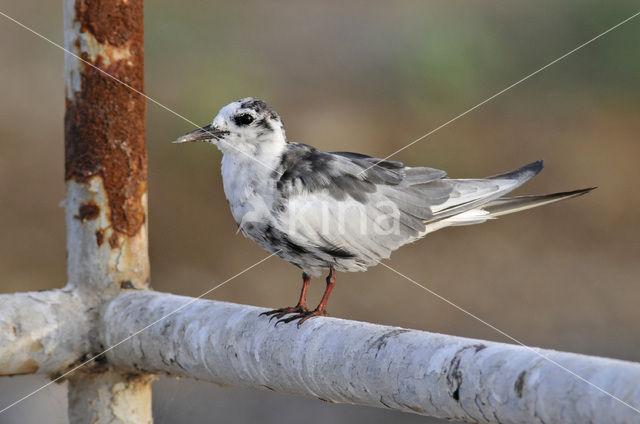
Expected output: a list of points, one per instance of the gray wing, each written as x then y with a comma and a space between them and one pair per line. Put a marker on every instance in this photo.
346, 174
350, 214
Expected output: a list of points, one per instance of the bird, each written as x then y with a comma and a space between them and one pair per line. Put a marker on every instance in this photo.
342, 211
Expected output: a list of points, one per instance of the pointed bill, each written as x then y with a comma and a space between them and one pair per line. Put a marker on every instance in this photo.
206, 133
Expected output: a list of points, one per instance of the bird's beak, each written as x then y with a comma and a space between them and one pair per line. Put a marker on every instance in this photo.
206, 133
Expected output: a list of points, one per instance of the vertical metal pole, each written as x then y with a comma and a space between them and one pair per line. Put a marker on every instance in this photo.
106, 175
110, 398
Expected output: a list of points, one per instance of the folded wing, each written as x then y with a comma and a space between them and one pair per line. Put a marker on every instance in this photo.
350, 210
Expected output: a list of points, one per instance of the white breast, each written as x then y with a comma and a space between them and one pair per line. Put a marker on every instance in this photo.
249, 187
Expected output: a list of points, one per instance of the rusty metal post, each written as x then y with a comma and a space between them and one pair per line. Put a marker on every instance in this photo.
106, 175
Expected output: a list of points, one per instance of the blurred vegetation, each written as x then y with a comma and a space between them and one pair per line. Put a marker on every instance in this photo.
367, 76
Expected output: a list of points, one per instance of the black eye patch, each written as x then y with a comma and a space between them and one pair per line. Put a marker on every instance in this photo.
243, 119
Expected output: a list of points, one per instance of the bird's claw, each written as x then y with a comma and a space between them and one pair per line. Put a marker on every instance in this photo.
303, 316
279, 313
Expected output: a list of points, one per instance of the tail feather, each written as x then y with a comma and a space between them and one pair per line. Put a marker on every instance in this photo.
507, 205
492, 206
522, 174
517, 177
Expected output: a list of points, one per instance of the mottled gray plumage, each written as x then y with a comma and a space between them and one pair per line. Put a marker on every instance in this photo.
349, 178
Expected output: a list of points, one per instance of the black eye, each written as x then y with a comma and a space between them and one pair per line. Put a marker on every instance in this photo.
243, 119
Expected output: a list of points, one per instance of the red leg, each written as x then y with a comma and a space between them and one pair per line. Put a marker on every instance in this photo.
302, 302
321, 310
331, 281
301, 307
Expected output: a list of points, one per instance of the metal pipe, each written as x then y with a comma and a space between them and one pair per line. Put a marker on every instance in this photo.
106, 175
366, 364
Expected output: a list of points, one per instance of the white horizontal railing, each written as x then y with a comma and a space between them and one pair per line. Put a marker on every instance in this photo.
332, 359
366, 364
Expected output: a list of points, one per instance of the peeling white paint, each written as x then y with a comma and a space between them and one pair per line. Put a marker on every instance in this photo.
104, 51
41, 332
77, 42
110, 398
98, 269
72, 66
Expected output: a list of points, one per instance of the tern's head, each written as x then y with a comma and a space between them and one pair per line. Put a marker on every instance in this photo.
242, 125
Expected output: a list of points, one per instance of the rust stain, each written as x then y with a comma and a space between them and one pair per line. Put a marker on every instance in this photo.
88, 211
104, 122
99, 237
28, 367
110, 22
36, 346
114, 242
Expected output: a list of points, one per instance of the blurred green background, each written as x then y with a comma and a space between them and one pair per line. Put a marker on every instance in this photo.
366, 76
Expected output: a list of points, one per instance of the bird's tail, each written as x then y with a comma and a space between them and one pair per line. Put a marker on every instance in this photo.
507, 205
474, 209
